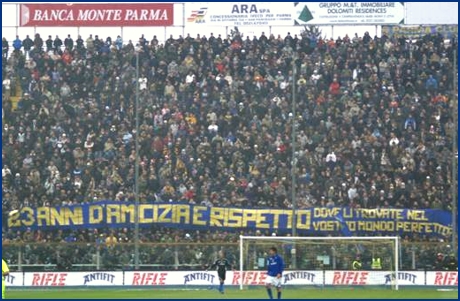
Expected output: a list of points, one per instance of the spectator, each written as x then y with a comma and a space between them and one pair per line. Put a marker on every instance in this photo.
80, 45
451, 263
219, 108
5, 47
38, 43
68, 43
410, 123
49, 44
439, 263
6, 87
334, 88
431, 84
119, 43
17, 44
90, 43
27, 44
331, 160
57, 43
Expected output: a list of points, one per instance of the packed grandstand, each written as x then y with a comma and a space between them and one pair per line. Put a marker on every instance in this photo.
374, 123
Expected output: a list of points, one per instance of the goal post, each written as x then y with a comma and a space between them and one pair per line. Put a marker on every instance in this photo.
329, 260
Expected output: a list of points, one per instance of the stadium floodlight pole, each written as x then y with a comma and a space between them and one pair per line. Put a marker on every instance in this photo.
294, 163
136, 175
241, 262
454, 155
396, 250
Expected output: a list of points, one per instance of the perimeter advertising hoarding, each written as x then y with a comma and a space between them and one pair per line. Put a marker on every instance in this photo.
252, 278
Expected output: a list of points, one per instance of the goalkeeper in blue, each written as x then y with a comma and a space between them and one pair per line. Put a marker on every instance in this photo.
275, 267
222, 265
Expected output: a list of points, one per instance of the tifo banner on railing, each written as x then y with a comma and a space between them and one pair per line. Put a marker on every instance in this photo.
94, 14
417, 31
309, 221
234, 278
292, 13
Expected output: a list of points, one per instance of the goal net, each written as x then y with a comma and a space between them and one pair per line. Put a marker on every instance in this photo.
322, 261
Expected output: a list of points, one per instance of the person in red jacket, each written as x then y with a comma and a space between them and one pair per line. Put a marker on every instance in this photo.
334, 87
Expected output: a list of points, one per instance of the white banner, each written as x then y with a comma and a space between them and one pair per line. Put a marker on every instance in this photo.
171, 278
373, 278
302, 278
404, 278
249, 278
14, 279
46, 279
347, 278
145, 278
442, 278
292, 13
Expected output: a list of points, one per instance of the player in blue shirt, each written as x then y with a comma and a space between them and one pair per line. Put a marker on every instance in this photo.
275, 266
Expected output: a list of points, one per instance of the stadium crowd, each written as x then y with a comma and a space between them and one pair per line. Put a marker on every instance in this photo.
374, 127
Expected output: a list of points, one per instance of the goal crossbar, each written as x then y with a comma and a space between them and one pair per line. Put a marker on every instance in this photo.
326, 238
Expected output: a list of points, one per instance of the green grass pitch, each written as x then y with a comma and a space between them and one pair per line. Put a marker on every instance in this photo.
231, 293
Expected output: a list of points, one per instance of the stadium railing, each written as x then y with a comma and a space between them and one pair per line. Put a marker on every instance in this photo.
77, 256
